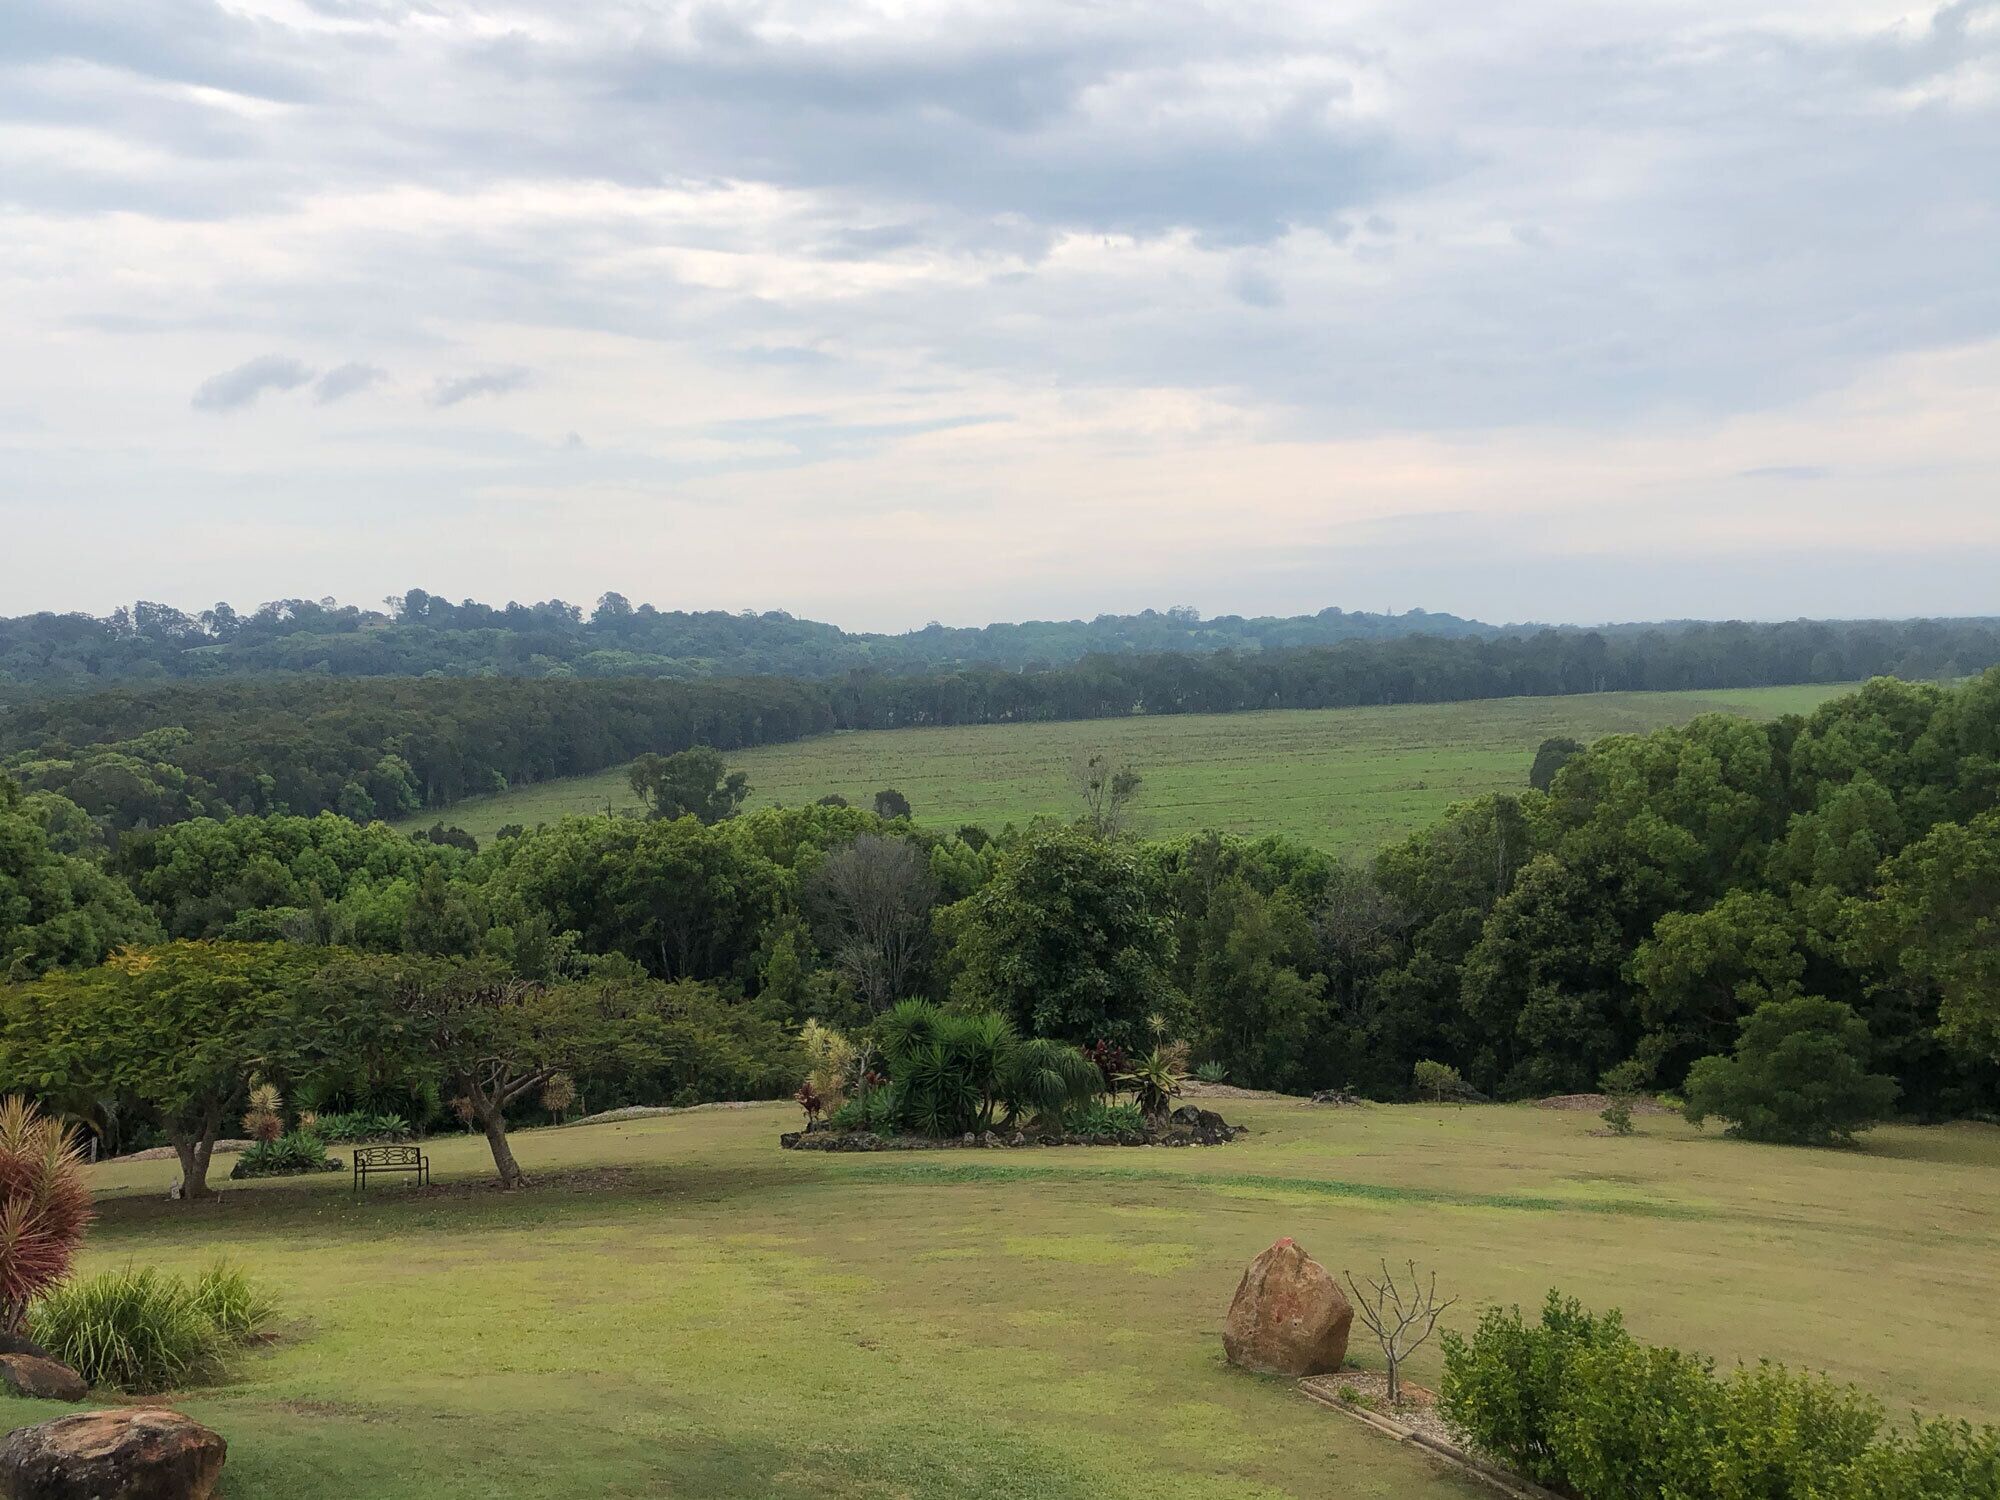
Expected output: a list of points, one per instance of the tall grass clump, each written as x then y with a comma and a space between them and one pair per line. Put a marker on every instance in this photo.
147, 1330
44, 1206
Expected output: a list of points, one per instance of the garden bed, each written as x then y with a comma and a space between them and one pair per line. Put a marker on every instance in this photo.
1186, 1126
1362, 1394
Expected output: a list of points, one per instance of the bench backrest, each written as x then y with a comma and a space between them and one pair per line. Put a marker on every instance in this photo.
386, 1156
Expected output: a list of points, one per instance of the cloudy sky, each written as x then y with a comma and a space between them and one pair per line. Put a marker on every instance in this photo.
889, 312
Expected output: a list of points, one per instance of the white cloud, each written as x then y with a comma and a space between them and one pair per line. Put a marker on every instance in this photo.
1261, 285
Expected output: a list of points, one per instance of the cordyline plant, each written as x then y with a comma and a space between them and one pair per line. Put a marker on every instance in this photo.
44, 1206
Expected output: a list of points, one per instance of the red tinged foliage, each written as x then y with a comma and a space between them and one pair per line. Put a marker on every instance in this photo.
44, 1205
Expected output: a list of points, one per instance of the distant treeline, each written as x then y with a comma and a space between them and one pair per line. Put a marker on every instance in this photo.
422, 634
389, 747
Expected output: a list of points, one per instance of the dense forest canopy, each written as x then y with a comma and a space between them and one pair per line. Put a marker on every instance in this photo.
386, 747
423, 634
1663, 891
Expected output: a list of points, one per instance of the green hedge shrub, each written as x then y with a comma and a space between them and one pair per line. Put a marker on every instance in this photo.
1575, 1403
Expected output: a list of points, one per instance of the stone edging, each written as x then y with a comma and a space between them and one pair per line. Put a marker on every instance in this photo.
1500, 1479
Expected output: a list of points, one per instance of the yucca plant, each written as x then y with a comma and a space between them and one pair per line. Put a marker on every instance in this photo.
1153, 1083
559, 1096
44, 1205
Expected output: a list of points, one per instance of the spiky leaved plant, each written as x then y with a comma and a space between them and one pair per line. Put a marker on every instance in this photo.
558, 1096
44, 1205
1047, 1080
264, 1120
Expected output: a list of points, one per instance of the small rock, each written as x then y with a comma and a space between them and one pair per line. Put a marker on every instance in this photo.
138, 1453
39, 1377
1289, 1316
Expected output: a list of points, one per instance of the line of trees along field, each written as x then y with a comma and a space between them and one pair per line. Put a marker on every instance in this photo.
1832, 879
388, 747
422, 634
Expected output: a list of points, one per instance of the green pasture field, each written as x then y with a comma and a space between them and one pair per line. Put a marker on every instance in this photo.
1346, 779
678, 1308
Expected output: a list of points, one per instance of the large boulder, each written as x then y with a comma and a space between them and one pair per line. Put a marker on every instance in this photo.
1290, 1316
42, 1379
138, 1453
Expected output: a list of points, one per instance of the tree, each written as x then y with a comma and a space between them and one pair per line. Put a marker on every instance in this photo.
871, 909
891, 804
178, 1029
1106, 790
56, 909
1068, 939
1938, 920
689, 783
1799, 1075
1553, 755
1700, 973
1401, 1316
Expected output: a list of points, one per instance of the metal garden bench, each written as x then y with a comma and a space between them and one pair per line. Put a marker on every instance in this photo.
368, 1159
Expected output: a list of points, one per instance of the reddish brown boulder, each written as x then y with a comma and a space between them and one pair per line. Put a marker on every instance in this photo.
43, 1379
140, 1453
1290, 1316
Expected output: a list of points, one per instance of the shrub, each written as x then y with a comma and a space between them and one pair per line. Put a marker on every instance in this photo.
44, 1205
287, 1156
1799, 1075
142, 1331
1618, 1115
1577, 1404
1438, 1081
1099, 1118
830, 1058
236, 1305
361, 1125
1212, 1072
879, 1110
559, 1096
1048, 1080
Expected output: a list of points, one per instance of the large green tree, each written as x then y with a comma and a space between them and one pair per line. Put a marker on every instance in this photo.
56, 908
177, 1030
1068, 940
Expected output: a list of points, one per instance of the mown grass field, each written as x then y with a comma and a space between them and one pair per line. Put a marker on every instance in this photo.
1346, 779
678, 1308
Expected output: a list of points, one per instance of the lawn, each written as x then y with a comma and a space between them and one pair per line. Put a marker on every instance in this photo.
680, 1309
1346, 779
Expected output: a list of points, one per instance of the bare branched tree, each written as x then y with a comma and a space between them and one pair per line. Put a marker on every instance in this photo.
1107, 789
870, 905
1400, 1316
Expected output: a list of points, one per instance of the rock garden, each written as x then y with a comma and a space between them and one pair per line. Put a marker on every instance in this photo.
925, 1078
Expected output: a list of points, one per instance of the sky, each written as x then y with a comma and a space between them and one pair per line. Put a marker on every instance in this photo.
886, 313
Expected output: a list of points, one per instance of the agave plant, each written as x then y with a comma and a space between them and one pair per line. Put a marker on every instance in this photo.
44, 1205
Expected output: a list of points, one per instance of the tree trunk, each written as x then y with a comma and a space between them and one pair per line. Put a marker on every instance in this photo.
495, 1125
194, 1154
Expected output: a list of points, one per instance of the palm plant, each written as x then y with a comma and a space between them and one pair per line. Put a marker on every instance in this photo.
44, 1205
1048, 1080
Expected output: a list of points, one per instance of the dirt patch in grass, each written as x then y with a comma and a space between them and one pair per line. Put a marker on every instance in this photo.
1369, 1389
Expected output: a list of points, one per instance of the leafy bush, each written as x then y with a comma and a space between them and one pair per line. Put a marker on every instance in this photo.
1618, 1115
1047, 1080
142, 1331
360, 1125
879, 1110
1577, 1404
1799, 1075
288, 1155
44, 1205
1099, 1118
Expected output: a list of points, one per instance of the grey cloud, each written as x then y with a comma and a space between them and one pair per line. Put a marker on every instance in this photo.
249, 380
346, 380
452, 389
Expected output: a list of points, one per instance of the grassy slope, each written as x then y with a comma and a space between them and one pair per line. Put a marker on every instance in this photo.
1344, 778
696, 1313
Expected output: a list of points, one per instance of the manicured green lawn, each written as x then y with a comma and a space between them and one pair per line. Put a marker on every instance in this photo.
1346, 779
681, 1309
